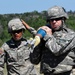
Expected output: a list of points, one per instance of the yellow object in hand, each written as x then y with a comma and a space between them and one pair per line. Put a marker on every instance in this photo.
37, 40
34, 41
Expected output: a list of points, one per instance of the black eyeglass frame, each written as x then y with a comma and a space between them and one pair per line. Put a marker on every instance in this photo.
16, 31
56, 19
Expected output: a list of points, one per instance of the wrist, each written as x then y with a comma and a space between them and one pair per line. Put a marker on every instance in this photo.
41, 33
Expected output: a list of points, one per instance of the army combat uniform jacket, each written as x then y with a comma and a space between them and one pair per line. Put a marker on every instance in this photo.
56, 52
17, 58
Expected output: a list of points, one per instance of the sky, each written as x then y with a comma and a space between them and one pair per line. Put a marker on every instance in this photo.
22, 6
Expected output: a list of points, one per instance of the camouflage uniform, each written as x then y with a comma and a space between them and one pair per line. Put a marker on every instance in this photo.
56, 51
15, 55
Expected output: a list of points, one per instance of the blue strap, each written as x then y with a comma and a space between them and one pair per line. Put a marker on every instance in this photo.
42, 32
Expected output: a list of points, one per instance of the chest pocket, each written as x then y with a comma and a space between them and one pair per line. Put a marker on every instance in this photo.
23, 53
18, 54
11, 55
64, 39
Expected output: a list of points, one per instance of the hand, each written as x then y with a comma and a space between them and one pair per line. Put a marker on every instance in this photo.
25, 24
47, 29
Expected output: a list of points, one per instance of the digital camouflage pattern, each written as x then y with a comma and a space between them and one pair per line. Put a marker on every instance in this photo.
16, 54
15, 24
57, 52
17, 58
32, 31
56, 12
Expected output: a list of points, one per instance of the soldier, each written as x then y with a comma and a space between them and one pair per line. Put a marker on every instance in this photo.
57, 46
16, 52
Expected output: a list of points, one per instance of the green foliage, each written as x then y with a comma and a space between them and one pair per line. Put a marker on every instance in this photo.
34, 19
71, 22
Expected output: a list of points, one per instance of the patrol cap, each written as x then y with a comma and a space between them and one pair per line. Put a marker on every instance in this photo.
15, 24
56, 12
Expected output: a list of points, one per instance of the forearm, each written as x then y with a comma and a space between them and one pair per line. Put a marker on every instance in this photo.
32, 30
52, 45
29, 28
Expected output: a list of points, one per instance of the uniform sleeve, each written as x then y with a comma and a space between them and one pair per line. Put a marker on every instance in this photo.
1, 61
32, 31
56, 47
51, 44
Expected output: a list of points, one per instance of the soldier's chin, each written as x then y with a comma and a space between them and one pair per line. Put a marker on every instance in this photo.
56, 29
17, 39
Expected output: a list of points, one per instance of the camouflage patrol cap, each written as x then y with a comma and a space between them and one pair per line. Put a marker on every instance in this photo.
15, 24
56, 12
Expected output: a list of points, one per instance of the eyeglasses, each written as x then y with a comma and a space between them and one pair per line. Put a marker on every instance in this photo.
56, 19
17, 31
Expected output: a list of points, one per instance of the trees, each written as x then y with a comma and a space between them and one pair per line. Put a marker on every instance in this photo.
34, 19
